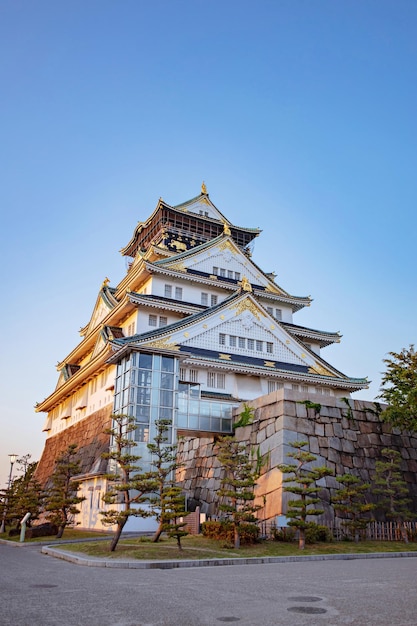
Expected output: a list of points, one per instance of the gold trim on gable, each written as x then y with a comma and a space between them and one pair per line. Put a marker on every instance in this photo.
163, 343
247, 305
273, 289
178, 267
225, 357
226, 245
319, 369
269, 364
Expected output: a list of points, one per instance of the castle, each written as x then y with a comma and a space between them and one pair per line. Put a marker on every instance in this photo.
192, 330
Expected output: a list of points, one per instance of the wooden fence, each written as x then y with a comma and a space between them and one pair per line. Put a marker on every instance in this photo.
374, 531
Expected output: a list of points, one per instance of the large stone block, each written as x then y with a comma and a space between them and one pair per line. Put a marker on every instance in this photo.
306, 427
347, 446
289, 409
328, 430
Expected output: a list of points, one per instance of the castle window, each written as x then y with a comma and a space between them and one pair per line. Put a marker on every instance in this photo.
222, 272
204, 299
232, 341
222, 339
178, 293
168, 291
259, 346
251, 344
213, 300
193, 376
242, 342
215, 270
163, 321
211, 379
270, 310
216, 380
237, 275
269, 347
153, 320
229, 274
273, 385
278, 314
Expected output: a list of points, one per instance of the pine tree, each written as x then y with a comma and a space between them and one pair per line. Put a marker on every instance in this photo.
391, 489
303, 484
237, 485
26, 494
61, 498
350, 503
129, 488
174, 509
164, 463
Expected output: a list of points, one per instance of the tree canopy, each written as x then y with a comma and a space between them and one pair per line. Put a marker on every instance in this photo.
399, 389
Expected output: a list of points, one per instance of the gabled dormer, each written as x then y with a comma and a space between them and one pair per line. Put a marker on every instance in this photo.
104, 304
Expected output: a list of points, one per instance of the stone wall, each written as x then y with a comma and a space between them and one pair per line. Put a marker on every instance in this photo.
348, 439
90, 439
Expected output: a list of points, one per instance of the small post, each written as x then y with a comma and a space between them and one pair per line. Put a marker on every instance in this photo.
23, 525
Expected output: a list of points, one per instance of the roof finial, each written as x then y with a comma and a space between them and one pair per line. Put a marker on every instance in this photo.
204, 188
226, 229
245, 284
105, 282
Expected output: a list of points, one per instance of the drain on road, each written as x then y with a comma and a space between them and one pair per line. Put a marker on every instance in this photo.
308, 610
305, 598
228, 619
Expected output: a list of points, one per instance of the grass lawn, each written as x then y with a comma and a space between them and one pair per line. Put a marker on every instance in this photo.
199, 547
69, 533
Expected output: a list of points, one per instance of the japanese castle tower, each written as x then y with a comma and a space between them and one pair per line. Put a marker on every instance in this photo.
193, 329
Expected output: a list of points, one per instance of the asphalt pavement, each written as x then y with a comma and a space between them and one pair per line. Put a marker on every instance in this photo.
39, 590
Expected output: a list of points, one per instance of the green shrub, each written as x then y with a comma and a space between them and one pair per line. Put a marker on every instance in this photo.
223, 531
316, 533
282, 534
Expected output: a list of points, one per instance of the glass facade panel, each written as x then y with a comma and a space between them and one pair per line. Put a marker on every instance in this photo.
167, 364
147, 387
145, 361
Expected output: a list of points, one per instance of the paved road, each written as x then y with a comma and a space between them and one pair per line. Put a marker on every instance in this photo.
38, 590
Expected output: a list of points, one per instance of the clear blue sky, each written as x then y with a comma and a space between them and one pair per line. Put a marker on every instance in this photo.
300, 116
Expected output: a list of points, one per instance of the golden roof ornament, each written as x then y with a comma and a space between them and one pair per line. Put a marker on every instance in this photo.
105, 282
245, 284
204, 188
226, 230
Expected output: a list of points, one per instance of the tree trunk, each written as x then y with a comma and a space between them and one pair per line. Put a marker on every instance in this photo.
60, 531
301, 539
116, 536
237, 537
158, 532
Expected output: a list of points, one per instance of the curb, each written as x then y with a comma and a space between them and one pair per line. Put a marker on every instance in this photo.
123, 564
